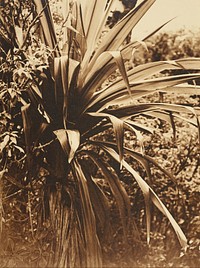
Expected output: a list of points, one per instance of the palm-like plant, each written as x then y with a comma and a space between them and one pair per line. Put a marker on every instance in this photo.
67, 105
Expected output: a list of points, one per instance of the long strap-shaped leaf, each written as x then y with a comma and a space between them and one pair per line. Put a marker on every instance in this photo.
150, 84
140, 127
119, 32
76, 43
149, 194
97, 24
106, 98
103, 67
116, 187
144, 159
69, 141
94, 127
65, 72
146, 107
141, 158
93, 252
47, 25
99, 202
98, 127
93, 14
170, 114
118, 127
144, 71
183, 89
117, 56
137, 74
102, 63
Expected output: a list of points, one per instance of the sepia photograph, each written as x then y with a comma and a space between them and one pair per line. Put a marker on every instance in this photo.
99, 134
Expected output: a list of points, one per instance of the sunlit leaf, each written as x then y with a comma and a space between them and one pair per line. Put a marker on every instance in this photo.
103, 67
93, 15
140, 127
115, 91
69, 140
74, 141
120, 64
183, 89
118, 33
61, 135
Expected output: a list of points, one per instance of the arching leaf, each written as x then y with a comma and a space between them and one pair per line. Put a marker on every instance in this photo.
93, 251
149, 194
118, 127
116, 187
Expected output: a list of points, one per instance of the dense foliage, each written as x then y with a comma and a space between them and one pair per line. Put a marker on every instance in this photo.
79, 147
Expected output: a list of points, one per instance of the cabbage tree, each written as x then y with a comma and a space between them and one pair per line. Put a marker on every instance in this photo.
65, 104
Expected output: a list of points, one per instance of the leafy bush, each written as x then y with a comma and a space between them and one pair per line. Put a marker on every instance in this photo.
172, 46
